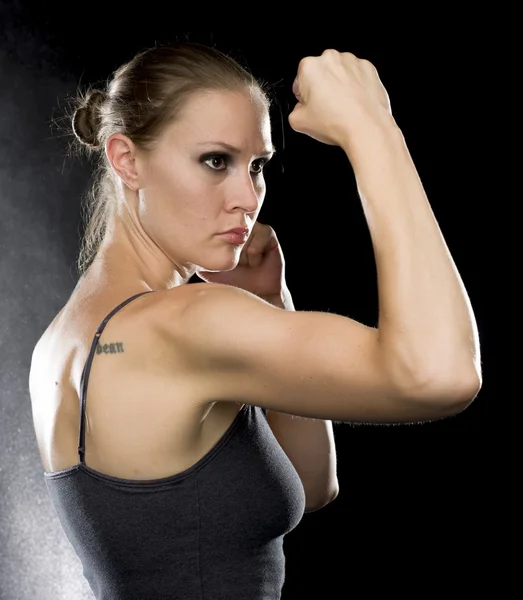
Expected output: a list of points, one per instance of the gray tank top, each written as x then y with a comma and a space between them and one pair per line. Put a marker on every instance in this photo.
213, 532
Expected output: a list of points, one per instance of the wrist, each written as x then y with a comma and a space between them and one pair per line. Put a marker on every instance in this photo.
369, 136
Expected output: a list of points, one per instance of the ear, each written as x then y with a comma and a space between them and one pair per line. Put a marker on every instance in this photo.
122, 155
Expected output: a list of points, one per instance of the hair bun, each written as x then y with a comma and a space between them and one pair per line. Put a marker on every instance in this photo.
87, 118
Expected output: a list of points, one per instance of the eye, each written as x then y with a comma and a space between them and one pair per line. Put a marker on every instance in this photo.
262, 162
224, 158
216, 157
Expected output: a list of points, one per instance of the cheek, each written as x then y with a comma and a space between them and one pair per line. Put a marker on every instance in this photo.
183, 196
173, 192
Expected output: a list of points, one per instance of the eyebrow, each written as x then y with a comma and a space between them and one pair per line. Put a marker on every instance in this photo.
235, 150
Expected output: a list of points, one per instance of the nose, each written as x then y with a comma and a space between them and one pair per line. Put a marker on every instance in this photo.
247, 194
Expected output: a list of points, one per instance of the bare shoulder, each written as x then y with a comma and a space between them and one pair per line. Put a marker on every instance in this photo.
306, 363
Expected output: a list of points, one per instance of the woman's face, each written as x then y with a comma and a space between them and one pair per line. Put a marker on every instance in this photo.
193, 187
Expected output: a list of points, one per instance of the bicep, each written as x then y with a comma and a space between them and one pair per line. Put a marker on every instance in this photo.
311, 364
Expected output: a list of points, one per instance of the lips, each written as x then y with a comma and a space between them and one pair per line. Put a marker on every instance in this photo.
239, 230
236, 238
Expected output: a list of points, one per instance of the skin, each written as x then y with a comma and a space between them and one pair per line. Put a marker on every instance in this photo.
174, 200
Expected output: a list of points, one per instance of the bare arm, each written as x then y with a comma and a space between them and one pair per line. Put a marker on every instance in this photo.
422, 363
427, 329
308, 443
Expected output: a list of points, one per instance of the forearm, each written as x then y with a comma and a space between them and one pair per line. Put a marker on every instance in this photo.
427, 329
308, 443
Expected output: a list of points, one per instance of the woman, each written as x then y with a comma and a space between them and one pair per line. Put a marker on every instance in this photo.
182, 470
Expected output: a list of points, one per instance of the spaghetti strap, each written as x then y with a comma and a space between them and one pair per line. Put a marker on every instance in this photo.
87, 370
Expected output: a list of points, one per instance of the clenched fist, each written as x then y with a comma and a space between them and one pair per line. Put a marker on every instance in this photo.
338, 96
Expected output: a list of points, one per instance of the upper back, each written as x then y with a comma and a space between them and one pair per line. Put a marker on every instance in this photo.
144, 409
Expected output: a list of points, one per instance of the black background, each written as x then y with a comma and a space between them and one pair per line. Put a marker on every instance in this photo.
414, 513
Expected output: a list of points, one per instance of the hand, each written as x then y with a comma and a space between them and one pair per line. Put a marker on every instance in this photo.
261, 269
337, 93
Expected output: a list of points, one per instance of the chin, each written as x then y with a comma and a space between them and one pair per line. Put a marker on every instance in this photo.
219, 266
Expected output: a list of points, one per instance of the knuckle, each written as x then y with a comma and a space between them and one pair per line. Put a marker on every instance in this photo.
304, 64
349, 56
332, 54
366, 64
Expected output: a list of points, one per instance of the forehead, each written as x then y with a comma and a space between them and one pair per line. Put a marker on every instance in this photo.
239, 119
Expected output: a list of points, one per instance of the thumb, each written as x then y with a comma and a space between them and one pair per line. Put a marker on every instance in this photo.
296, 120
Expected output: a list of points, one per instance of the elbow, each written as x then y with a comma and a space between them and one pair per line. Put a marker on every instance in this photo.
327, 499
459, 397
315, 507
462, 390
447, 396
435, 389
